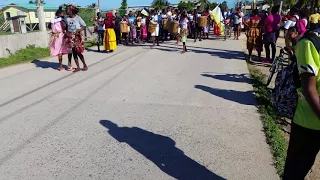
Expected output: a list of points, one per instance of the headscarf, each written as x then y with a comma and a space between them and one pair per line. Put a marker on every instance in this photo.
109, 15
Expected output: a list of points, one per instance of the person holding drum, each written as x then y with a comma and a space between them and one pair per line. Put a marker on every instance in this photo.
155, 22
125, 33
206, 29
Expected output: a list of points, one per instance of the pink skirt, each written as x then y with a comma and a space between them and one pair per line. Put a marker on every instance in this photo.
58, 45
143, 32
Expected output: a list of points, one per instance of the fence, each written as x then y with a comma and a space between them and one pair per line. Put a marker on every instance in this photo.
11, 43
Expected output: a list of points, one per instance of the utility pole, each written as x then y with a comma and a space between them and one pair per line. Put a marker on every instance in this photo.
99, 6
41, 17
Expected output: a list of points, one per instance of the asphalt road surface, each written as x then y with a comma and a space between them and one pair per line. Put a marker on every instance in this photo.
139, 113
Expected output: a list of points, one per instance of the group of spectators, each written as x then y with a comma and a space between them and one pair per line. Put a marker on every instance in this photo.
139, 26
263, 28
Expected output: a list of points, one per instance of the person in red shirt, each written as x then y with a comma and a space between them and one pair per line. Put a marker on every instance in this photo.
110, 42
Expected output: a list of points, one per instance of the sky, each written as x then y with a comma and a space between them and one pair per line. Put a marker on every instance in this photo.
105, 4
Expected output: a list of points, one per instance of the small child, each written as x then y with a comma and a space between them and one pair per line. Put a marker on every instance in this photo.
183, 23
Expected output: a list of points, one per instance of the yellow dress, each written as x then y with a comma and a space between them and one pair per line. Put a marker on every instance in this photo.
110, 41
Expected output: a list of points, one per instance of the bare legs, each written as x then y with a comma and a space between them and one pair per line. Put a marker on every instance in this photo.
60, 62
76, 55
250, 54
154, 39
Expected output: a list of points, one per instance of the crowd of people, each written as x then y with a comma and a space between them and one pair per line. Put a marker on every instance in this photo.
302, 39
152, 27
140, 27
262, 29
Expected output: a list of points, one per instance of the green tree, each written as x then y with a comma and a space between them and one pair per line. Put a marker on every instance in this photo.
204, 4
224, 5
124, 4
213, 5
123, 8
160, 4
34, 2
187, 5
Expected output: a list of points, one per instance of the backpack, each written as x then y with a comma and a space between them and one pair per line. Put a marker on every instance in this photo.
285, 95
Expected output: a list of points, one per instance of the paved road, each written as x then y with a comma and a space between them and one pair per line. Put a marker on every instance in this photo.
139, 113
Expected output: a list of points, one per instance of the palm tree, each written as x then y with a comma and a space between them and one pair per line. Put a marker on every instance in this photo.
160, 4
204, 4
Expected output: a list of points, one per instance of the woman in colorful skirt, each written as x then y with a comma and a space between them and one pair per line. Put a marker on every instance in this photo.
110, 42
143, 29
75, 26
206, 29
254, 35
58, 46
183, 23
155, 33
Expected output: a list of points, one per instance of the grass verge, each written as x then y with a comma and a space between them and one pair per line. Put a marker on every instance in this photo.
269, 116
90, 43
30, 53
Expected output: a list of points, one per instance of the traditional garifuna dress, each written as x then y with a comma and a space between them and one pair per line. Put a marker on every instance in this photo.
206, 29
58, 45
183, 23
143, 28
155, 18
75, 39
110, 41
254, 35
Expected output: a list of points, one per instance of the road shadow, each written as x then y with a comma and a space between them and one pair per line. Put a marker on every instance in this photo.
47, 64
245, 98
161, 150
241, 78
224, 54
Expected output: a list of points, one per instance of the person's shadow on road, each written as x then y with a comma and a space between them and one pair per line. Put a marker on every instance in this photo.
161, 151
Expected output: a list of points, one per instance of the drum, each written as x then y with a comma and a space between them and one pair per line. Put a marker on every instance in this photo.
124, 27
165, 24
152, 26
203, 20
174, 27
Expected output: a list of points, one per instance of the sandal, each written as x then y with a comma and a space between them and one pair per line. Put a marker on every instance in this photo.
85, 69
77, 70
70, 68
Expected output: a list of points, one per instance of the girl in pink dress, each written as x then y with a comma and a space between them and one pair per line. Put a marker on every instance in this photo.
58, 46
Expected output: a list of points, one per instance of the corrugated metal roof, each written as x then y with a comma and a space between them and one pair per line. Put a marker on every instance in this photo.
34, 6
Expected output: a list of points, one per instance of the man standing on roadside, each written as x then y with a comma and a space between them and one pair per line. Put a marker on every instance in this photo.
117, 28
314, 19
305, 129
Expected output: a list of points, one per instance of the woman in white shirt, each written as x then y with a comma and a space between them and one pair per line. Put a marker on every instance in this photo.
143, 28
183, 23
155, 34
